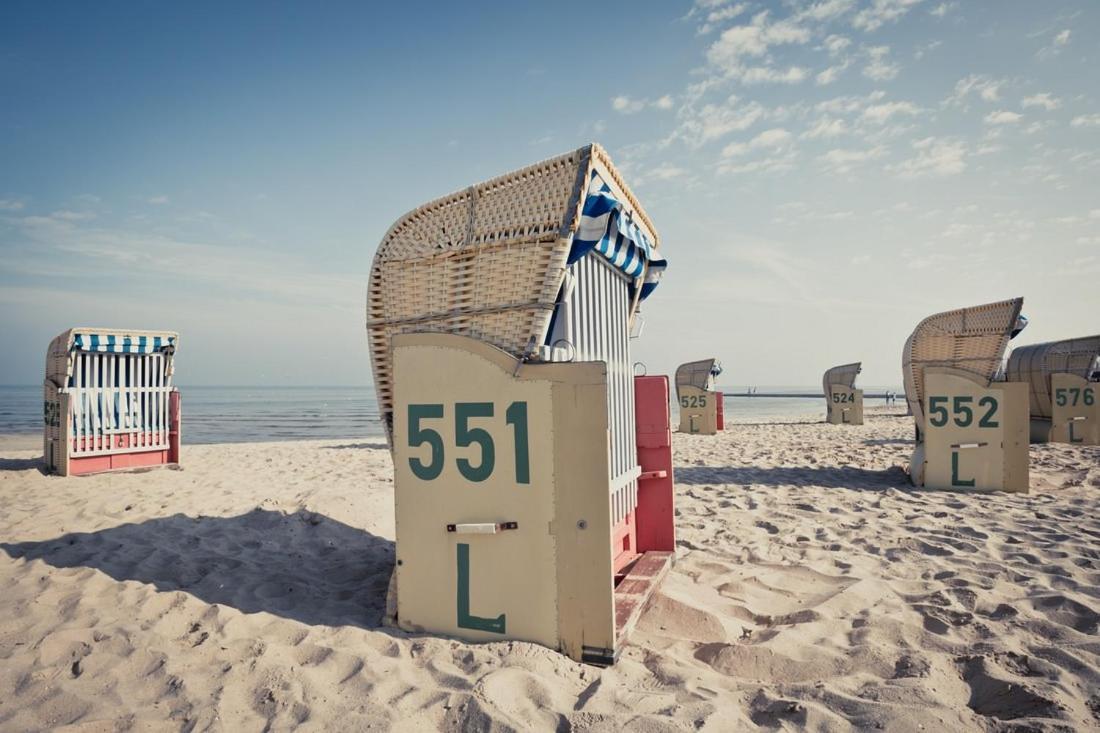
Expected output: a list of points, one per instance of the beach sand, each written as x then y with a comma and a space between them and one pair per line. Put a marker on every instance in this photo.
813, 588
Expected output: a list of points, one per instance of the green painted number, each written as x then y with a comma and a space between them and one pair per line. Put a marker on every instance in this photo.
962, 407
955, 480
1076, 392
466, 620
517, 418
1090, 396
419, 436
1060, 397
466, 436
937, 406
987, 420
702, 400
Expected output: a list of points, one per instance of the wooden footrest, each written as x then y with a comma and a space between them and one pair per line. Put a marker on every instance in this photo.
634, 592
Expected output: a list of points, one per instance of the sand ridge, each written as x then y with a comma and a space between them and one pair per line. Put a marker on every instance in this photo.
814, 588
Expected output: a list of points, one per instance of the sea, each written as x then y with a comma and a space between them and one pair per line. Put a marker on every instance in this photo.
254, 414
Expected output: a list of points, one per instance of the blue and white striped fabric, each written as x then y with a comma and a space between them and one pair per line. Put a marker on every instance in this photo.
607, 229
111, 344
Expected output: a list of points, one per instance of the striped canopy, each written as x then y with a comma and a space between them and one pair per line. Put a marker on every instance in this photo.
121, 343
607, 229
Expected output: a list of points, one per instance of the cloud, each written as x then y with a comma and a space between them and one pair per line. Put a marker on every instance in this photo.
935, 157
771, 139
11, 205
628, 105
766, 74
829, 75
825, 10
843, 160
835, 44
1043, 100
737, 45
985, 87
880, 114
881, 12
720, 15
942, 9
715, 121
770, 164
158, 200
1002, 117
1092, 120
826, 127
1057, 43
879, 68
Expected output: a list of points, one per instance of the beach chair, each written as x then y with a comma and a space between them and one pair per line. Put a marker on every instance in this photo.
701, 409
532, 469
109, 401
843, 402
1063, 379
971, 429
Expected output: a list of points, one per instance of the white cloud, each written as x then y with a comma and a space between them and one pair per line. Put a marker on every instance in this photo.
844, 160
720, 15
829, 75
765, 74
769, 164
881, 12
11, 205
1092, 120
826, 10
879, 68
66, 215
935, 157
1057, 43
629, 105
826, 127
1002, 117
835, 44
742, 42
985, 87
158, 200
1094, 214
881, 113
1043, 100
942, 9
772, 139
626, 105
714, 121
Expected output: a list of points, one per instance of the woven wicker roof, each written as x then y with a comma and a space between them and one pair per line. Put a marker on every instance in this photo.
971, 339
486, 261
1036, 362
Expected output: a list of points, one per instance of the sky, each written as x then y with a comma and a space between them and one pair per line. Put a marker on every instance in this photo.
823, 175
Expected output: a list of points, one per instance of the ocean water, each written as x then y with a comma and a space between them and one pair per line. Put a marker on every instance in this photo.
251, 414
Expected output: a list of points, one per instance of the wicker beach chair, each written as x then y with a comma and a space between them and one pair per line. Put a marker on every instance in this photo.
701, 406
109, 400
1062, 379
961, 351
843, 402
510, 304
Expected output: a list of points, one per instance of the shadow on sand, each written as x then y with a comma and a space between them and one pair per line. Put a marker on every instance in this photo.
23, 464
303, 566
832, 477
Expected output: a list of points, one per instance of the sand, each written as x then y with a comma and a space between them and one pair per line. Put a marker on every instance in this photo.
814, 588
